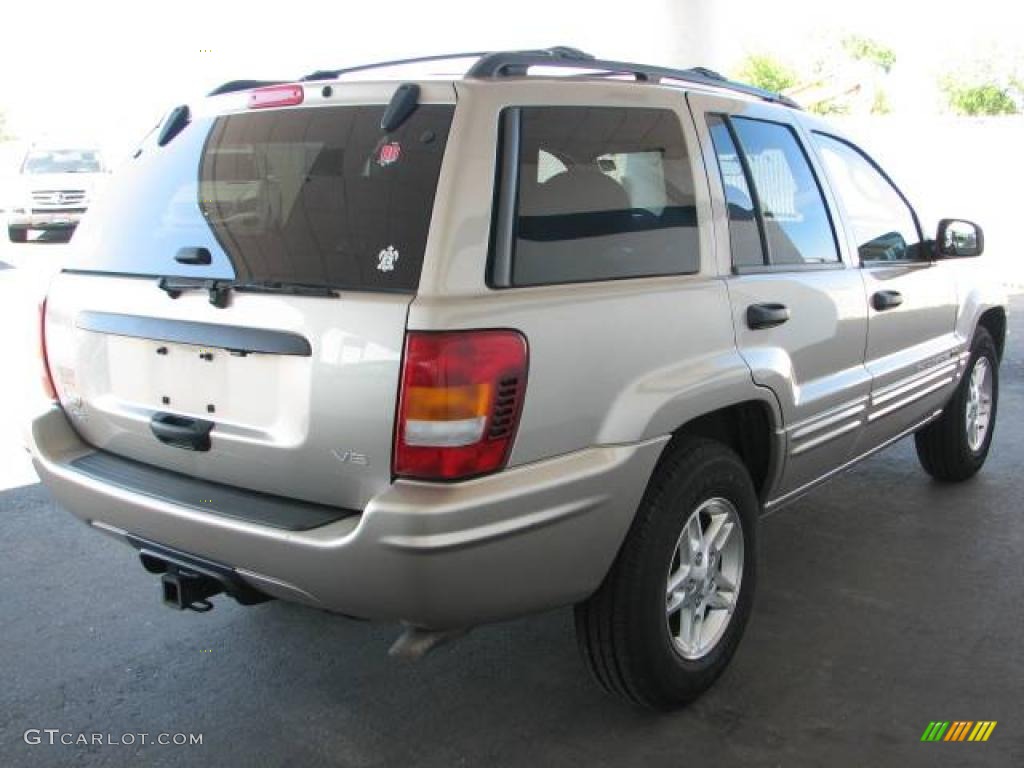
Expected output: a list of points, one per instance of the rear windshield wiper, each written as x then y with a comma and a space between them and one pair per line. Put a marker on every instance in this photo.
294, 289
219, 289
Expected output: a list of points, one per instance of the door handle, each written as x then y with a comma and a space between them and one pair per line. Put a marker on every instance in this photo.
883, 300
760, 316
181, 431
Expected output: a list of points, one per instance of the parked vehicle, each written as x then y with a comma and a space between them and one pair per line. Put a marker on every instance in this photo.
446, 352
55, 186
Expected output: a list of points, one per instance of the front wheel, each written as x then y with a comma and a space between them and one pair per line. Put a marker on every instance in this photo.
671, 612
954, 446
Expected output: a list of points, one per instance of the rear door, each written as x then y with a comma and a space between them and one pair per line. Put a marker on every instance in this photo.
912, 353
289, 244
798, 305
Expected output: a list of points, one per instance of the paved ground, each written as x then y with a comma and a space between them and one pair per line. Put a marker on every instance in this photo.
886, 601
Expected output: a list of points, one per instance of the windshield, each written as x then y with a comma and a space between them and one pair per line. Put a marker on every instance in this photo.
62, 161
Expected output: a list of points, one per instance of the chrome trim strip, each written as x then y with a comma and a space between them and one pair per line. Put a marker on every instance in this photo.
828, 436
905, 385
776, 504
827, 419
908, 400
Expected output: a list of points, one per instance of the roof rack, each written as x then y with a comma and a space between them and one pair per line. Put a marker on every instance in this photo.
333, 74
496, 64
518, 63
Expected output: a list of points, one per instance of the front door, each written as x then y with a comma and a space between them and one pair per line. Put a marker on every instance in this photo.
912, 352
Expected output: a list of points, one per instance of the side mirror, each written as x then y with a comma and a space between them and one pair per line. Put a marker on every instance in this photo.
959, 239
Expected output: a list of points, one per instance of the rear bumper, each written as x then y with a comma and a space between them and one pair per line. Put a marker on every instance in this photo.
432, 555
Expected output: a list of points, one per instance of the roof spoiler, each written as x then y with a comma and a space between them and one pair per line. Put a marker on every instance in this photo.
243, 85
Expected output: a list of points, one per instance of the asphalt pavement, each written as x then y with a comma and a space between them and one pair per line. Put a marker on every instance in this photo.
886, 601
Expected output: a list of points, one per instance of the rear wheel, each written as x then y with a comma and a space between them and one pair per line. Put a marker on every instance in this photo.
17, 235
955, 446
670, 613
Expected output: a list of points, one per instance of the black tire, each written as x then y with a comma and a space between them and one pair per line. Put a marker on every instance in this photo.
942, 446
622, 629
17, 235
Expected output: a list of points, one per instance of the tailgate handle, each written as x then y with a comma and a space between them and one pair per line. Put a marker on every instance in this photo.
181, 431
194, 256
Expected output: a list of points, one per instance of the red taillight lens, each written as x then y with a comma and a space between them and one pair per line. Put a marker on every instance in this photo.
276, 96
47, 380
462, 393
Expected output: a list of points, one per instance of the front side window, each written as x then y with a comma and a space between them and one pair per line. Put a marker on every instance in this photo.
602, 193
881, 221
797, 226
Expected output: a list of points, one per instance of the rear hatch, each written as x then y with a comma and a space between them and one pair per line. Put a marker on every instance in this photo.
251, 277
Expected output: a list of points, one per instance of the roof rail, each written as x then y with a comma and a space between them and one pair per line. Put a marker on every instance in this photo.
332, 74
518, 63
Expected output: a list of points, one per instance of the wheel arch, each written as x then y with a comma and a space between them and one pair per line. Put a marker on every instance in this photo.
752, 428
994, 321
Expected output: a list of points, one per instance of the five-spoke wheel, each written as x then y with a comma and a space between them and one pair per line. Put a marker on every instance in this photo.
704, 578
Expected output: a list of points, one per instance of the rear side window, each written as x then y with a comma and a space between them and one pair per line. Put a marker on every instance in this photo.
796, 221
311, 196
601, 193
744, 232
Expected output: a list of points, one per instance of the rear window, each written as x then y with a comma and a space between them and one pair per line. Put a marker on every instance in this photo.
311, 196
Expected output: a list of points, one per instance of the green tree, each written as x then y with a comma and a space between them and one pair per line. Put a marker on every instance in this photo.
767, 72
866, 49
967, 97
828, 107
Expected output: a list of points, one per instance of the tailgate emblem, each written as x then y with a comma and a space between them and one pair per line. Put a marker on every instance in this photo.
389, 154
351, 457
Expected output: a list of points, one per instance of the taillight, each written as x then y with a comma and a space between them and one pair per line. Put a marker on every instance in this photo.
47, 380
462, 393
276, 96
